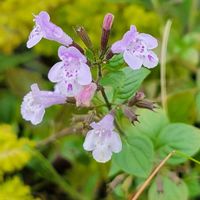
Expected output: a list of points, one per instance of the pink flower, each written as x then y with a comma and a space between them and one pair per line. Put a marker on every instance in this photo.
137, 49
44, 28
72, 73
102, 140
86, 95
35, 102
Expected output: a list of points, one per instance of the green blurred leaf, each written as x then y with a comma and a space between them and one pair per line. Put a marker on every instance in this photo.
136, 157
150, 123
178, 136
7, 106
181, 106
43, 167
170, 190
192, 181
14, 60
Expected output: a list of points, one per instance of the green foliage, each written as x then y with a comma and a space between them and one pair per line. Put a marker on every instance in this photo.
136, 157
124, 82
44, 168
115, 63
178, 136
151, 123
144, 144
169, 190
186, 113
14, 189
13, 155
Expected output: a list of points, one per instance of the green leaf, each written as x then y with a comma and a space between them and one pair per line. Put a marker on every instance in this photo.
178, 136
136, 157
150, 123
14, 60
130, 83
186, 113
170, 190
125, 82
113, 79
115, 62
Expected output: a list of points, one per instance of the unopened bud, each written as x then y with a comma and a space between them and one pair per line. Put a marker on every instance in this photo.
146, 104
130, 115
108, 21
139, 96
80, 30
107, 24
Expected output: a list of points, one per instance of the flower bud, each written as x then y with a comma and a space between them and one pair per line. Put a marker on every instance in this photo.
107, 24
146, 104
108, 21
80, 30
130, 115
139, 96
86, 95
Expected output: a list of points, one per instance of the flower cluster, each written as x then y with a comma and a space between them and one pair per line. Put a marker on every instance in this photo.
73, 78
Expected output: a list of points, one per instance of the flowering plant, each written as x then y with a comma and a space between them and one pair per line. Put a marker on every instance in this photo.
73, 79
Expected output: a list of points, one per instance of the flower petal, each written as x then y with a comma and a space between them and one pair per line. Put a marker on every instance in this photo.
89, 143
132, 60
115, 142
102, 154
37, 116
34, 38
150, 41
71, 53
84, 76
107, 122
118, 47
69, 89
56, 73
121, 45
151, 60
129, 36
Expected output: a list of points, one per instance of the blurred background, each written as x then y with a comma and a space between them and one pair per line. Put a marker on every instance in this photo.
42, 178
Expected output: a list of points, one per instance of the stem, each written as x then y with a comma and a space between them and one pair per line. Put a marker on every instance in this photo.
62, 133
163, 64
155, 171
108, 104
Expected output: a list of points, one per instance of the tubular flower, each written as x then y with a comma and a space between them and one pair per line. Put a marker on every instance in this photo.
86, 95
72, 73
137, 49
102, 140
44, 28
35, 102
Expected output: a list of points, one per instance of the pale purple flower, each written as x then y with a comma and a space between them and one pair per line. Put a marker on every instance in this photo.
72, 73
44, 28
137, 49
84, 97
102, 140
35, 102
